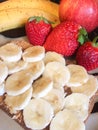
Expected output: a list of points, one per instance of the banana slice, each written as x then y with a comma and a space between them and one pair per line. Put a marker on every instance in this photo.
18, 83
89, 88
19, 102
10, 52
34, 54
78, 75
16, 66
42, 86
53, 56
78, 103
2, 89
58, 72
56, 98
36, 69
37, 114
3, 72
66, 120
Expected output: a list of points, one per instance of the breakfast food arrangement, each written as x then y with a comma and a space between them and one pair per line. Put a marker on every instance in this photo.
49, 74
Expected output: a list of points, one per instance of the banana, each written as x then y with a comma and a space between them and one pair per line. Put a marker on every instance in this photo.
45, 5
53, 56
89, 88
10, 52
34, 54
42, 86
78, 76
16, 103
66, 120
2, 89
38, 114
17, 17
16, 66
56, 98
58, 72
78, 103
18, 83
35, 69
3, 72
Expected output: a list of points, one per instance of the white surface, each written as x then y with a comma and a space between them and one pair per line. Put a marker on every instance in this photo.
92, 122
6, 123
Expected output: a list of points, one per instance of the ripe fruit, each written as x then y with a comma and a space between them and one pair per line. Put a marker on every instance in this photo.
37, 29
84, 12
87, 55
64, 38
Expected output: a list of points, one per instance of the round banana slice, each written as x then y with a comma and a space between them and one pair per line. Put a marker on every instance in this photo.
56, 98
18, 83
53, 56
3, 72
42, 86
2, 89
10, 52
36, 69
58, 72
78, 75
18, 102
16, 66
37, 114
78, 103
89, 88
66, 120
34, 54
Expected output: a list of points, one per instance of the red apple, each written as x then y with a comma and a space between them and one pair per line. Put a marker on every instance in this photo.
84, 12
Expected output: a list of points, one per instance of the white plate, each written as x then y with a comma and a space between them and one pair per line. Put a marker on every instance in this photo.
92, 122
6, 123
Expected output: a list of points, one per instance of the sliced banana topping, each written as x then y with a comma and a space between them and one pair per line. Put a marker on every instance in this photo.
89, 88
16, 66
42, 86
3, 71
78, 103
66, 120
58, 72
10, 52
36, 69
18, 102
78, 75
54, 56
2, 89
33, 54
18, 83
37, 114
56, 98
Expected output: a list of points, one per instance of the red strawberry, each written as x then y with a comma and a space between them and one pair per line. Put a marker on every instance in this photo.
37, 29
87, 55
64, 38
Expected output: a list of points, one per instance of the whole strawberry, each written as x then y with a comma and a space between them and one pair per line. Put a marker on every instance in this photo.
37, 29
87, 55
64, 38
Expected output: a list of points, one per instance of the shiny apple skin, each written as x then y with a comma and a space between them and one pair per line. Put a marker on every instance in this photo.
84, 12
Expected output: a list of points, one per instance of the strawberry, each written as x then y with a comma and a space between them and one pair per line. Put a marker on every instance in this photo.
37, 29
64, 38
87, 55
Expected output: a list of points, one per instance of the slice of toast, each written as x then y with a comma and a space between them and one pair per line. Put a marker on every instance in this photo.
18, 117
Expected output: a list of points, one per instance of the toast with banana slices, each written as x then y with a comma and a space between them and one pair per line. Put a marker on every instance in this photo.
43, 90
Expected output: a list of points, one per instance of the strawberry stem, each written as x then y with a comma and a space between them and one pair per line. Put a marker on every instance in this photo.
83, 36
39, 18
95, 43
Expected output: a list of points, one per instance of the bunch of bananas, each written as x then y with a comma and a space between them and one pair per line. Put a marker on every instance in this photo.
14, 13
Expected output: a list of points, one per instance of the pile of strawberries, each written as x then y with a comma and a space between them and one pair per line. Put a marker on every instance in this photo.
68, 38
